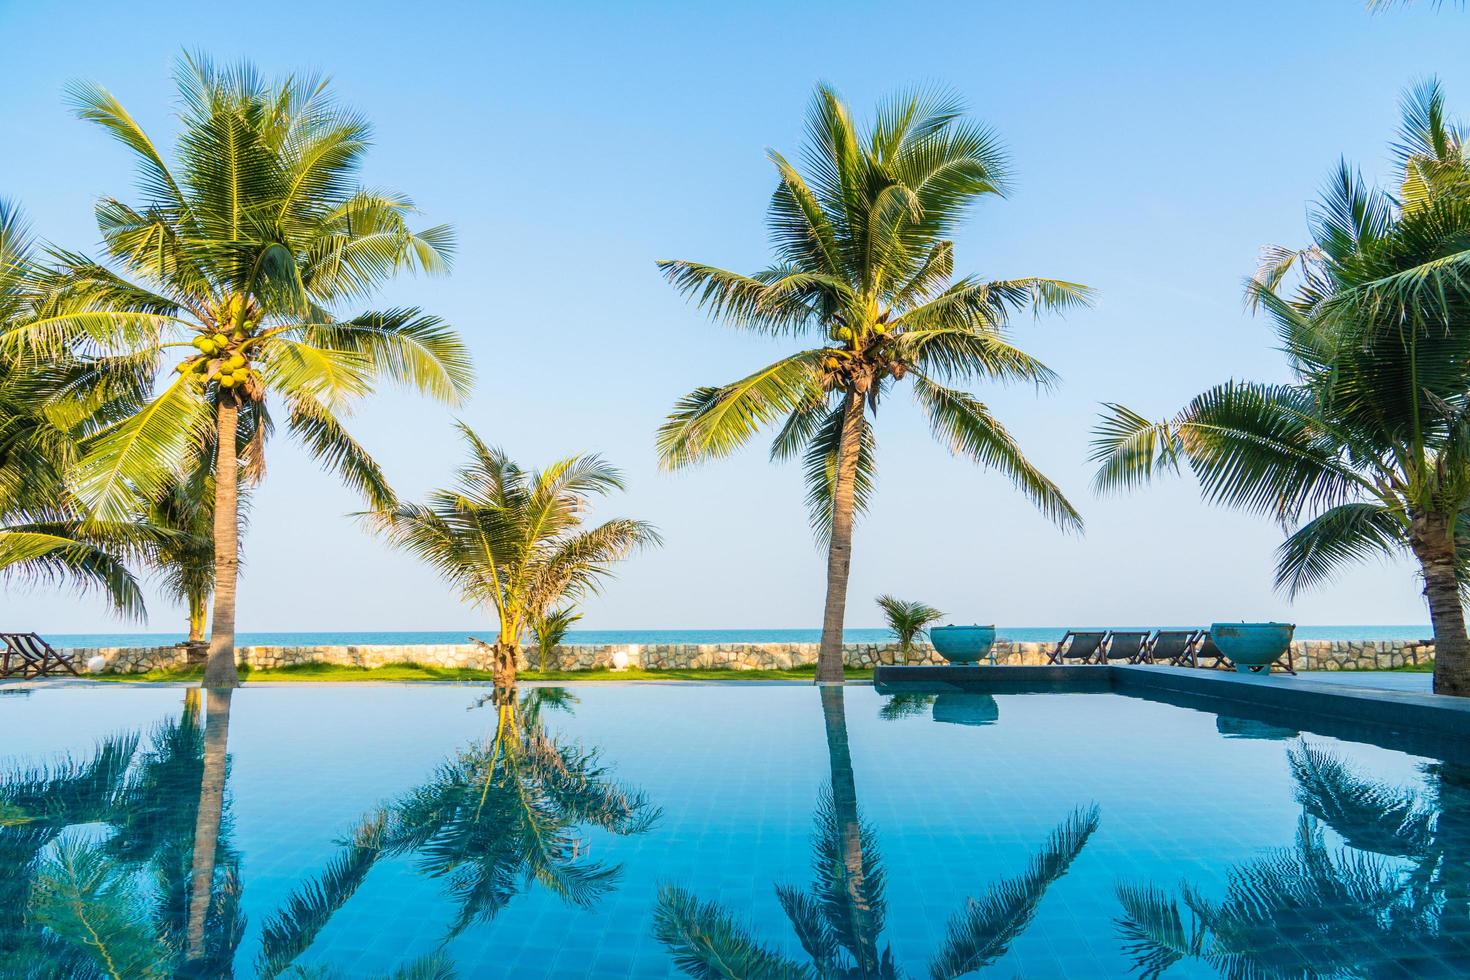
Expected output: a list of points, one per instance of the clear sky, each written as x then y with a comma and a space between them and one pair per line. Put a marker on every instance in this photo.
1156, 147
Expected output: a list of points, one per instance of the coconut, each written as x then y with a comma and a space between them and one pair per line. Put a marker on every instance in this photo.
199, 342
205, 346
240, 374
220, 340
235, 361
844, 334
227, 381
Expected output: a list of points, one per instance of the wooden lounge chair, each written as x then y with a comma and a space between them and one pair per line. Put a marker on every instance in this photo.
1079, 645
27, 655
1129, 646
1206, 649
1174, 648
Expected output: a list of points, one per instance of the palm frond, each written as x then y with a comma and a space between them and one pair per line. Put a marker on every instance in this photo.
294, 927
969, 429
135, 458
328, 441
1345, 533
820, 471
706, 942
714, 422
984, 931
88, 566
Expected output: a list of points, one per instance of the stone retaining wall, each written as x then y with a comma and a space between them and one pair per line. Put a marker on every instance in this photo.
1308, 654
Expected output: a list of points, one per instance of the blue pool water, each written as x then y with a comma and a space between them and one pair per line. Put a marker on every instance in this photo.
1023, 634
630, 830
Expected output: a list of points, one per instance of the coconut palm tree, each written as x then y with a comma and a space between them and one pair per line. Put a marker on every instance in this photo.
906, 620
1367, 451
839, 920
516, 541
864, 265
238, 256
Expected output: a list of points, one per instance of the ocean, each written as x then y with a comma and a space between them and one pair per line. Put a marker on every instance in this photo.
1023, 634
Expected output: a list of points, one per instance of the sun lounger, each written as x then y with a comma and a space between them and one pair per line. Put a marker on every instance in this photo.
1079, 645
1174, 648
1125, 645
1206, 649
27, 655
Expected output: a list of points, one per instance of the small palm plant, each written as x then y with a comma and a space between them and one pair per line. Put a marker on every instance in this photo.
515, 541
238, 257
864, 265
550, 629
1367, 452
906, 620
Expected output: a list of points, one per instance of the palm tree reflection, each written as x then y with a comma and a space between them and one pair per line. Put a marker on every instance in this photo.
839, 918
97, 856
1392, 902
506, 811
122, 864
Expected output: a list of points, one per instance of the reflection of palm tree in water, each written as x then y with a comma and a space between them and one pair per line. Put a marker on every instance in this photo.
1393, 902
154, 895
506, 812
840, 919
502, 813
77, 904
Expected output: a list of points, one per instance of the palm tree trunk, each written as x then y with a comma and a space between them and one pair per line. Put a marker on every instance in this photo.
503, 664
839, 550
1433, 542
198, 617
219, 670
845, 806
207, 819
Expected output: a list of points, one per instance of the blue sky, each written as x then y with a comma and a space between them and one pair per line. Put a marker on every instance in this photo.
1156, 148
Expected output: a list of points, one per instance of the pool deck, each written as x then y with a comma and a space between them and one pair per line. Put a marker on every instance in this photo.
1407, 716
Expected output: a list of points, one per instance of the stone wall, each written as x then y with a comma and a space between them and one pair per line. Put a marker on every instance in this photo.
1308, 654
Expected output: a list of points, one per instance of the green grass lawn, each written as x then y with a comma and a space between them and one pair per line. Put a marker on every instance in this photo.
1423, 667
306, 673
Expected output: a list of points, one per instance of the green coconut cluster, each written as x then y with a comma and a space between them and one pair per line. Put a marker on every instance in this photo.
224, 358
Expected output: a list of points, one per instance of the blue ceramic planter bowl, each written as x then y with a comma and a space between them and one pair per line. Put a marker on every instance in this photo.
962, 644
1252, 646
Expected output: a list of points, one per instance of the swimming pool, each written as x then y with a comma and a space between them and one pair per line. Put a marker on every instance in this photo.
640, 830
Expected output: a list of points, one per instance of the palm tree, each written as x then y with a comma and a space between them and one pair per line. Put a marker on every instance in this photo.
515, 541
44, 534
550, 629
906, 620
839, 920
1367, 451
864, 264
247, 244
